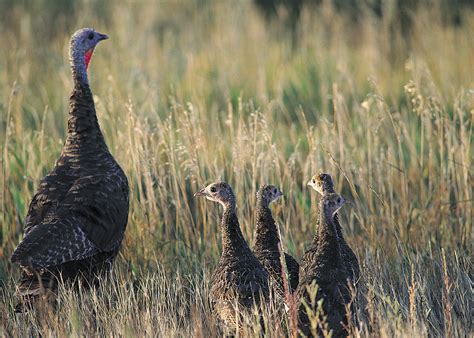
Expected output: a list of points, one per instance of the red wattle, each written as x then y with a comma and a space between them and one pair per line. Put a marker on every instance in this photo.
88, 57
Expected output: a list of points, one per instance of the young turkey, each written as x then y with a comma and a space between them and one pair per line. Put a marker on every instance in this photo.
326, 269
239, 280
324, 185
267, 246
76, 221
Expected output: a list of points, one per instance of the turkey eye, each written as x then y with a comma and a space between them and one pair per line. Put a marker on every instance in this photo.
274, 191
91, 36
213, 189
339, 200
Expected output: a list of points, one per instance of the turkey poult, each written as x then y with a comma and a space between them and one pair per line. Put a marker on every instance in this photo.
267, 246
239, 280
326, 269
76, 221
324, 185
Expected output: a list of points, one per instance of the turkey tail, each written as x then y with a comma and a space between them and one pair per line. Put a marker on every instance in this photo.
32, 287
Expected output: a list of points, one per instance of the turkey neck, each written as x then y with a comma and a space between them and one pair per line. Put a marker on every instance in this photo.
84, 134
329, 190
232, 239
328, 238
266, 233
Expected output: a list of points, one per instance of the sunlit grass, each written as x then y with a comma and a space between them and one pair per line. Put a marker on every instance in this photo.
190, 94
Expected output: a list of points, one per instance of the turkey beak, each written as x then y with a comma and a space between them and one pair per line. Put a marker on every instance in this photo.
102, 37
201, 193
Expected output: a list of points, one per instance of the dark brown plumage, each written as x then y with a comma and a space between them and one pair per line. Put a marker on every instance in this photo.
239, 280
325, 267
77, 219
267, 246
324, 185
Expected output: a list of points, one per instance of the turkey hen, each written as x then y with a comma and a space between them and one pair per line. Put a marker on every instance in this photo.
76, 221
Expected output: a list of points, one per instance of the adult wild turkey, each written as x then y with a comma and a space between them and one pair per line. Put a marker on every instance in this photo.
267, 246
76, 221
327, 270
323, 184
239, 280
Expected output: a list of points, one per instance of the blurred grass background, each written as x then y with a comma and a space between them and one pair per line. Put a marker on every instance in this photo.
377, 93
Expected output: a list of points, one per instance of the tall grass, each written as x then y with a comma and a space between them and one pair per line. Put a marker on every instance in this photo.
187, 93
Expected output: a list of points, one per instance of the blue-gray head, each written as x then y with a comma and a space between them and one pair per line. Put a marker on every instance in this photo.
267, 194
331, 203
81, 48
220, 192
322, 183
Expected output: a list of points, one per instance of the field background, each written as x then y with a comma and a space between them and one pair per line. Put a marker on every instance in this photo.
380, 94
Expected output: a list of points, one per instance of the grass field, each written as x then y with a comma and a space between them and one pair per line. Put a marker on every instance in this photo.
190, 92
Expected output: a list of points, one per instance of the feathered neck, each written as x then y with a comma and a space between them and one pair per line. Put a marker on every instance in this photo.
266, 233
84, 133
328, 235
335, 219
79, 61
232, 239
